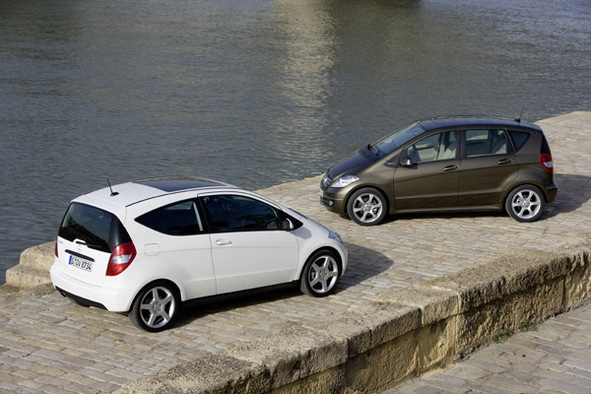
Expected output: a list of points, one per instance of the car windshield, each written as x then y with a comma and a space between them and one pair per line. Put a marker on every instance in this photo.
388, 144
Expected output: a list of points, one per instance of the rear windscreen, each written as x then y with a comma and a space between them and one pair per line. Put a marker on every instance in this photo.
100, 229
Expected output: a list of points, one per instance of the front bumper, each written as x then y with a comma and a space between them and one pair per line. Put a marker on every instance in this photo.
332, 201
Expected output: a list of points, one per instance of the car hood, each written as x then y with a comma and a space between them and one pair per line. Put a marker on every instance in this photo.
352, 164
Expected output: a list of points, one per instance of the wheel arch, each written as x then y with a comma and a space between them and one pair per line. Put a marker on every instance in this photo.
173, 286
321, 249
507, 192
366, 186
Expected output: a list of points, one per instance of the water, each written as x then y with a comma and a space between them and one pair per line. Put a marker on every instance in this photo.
254, 92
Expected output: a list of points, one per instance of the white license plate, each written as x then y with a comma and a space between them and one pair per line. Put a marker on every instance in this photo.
81, 263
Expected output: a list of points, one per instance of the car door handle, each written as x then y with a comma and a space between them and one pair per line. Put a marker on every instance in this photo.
222, 242
504, 161
451, 167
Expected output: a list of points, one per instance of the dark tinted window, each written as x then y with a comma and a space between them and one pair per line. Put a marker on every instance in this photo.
176, 219
519, 138
239, 213
545, 147
100, 229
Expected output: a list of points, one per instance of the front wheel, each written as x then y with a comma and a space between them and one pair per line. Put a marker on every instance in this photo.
525, 203
367, 207
320, 274
155, 307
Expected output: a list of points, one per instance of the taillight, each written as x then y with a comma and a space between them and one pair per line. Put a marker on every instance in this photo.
56, 252
546, 161
120, 258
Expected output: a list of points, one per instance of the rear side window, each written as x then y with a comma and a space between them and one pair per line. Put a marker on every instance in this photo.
176, 219
519, 138
101, 230
545, 147
485, 142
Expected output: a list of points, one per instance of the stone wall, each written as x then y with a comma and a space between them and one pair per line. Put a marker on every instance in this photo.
404, 334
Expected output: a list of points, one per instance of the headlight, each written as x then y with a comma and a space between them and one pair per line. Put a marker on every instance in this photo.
335, 236
344, 181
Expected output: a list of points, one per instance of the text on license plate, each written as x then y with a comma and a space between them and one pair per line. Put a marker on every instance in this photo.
80, 263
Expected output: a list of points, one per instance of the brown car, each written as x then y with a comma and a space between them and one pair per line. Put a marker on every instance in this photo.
445, 164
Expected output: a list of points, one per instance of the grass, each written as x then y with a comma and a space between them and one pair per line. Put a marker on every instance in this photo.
525, 327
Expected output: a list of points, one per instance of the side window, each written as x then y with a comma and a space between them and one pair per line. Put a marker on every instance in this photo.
436, 147
239, 213
519, 138
176, 219
485, 142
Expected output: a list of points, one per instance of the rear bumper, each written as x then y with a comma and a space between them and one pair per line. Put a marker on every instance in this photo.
551, 192
113, 297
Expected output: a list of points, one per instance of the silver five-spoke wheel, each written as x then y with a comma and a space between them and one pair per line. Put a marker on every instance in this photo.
154, 308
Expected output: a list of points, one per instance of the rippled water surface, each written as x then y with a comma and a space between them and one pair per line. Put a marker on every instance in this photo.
254, 92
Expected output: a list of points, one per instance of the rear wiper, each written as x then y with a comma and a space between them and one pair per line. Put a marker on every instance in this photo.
90, 245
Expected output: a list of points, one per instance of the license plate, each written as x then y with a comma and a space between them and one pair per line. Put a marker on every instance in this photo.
78, 262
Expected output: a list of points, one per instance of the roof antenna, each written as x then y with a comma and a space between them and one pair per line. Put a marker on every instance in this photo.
518, 120
111, 189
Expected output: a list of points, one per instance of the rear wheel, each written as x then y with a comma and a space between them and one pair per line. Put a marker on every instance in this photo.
320, 274
367, 206
155, 307
525, 203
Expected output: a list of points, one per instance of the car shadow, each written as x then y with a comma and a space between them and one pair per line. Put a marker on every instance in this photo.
573, 192
364, 263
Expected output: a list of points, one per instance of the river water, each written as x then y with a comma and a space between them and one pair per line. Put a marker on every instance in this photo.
254, 92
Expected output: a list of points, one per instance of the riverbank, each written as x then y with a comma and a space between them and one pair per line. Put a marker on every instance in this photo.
412, 282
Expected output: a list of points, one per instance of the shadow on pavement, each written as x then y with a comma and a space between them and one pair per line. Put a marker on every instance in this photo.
363, 264
573, 192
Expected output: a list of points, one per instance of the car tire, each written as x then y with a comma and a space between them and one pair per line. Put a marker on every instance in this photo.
321, 274
156, 307
367, 206
525, 203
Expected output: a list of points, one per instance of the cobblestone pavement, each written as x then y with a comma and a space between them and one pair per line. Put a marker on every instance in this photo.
48, 344
551, 358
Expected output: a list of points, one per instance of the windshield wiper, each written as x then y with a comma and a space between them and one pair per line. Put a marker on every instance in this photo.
373, 149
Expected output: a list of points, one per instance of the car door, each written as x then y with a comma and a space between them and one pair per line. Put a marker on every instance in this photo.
427, 176
489, 162
249, 248
175, 245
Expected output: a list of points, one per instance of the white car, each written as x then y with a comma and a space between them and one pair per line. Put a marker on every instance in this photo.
146, 247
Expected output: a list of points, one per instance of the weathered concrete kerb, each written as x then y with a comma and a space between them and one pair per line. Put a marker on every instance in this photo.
404, 334
420, 290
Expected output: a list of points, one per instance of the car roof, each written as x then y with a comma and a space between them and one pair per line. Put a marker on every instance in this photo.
123, 195
472, 121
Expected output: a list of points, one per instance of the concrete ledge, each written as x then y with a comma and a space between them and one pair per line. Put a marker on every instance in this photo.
33, 267
404, 334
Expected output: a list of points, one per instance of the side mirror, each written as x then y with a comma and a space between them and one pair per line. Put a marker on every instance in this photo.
286, 225
406, 162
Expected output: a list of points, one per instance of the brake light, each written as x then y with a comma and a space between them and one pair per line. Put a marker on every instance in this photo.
546, 161
56, 252
120, 258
